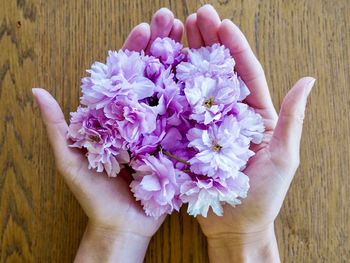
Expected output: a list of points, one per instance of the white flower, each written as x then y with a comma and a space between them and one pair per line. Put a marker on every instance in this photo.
203, 193
221, 151
210, 99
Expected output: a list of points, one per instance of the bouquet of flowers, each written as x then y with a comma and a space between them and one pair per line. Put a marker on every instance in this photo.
176, 117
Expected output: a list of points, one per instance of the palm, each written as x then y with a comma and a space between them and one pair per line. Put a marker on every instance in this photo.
272, 168
262, 204
107, 201
265, 196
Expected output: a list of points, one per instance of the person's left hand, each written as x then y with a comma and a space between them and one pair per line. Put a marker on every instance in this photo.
276, 159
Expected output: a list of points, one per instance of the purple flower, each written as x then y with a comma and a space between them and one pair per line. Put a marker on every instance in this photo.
156, 185
123, 75
201, 193
149, 143
130, 118
214, 61
167, 50
176, 118
175, 143
210, 99
154, 68
172, 100
172, 140
221, 152
104, 145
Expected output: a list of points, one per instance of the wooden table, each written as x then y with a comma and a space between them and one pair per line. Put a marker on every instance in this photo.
50, 44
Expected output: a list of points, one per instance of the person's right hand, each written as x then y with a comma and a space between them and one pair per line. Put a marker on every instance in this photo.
276, 159
108, 202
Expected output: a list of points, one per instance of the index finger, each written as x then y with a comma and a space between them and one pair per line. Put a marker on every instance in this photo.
248, 68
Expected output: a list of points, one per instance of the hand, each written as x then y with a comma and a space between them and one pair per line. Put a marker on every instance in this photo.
272, 168
108, 202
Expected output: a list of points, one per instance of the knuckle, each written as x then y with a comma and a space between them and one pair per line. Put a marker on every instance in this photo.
62, 166
297, 116
287, 161
258, 74
66, 167
211, 40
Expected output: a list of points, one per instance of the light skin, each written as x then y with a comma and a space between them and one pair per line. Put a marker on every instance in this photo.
119, 231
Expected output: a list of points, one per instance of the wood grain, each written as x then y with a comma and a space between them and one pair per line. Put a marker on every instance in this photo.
50, 44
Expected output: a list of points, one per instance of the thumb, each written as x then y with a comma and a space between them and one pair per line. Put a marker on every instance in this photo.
287, 134
56, 127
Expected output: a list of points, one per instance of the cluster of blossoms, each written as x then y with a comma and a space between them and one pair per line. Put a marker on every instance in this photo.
177, 119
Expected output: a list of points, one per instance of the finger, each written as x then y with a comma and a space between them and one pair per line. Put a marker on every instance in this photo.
161, 24
287, 134
138, 38
208, 22
248, 68
53, 119
194, 37
177, 30
56, 127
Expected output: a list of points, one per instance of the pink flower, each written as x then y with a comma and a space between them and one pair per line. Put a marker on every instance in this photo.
156, 185
214, 61
123, 75
104, 145
167, 50
150, 142
172, 100
177, 118
130, 118
154, 68
221, 152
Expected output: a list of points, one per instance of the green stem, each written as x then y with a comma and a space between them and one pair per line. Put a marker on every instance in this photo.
175, 157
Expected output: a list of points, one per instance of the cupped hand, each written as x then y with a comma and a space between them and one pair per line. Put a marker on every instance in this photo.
108, 202
276, 159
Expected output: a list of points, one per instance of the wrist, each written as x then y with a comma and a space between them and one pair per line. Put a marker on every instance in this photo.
104, 244
259, 246
109, 232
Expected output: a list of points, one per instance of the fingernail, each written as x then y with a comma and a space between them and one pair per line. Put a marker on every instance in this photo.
144, 25
34, 91
208, 5
164, 9
308, 87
